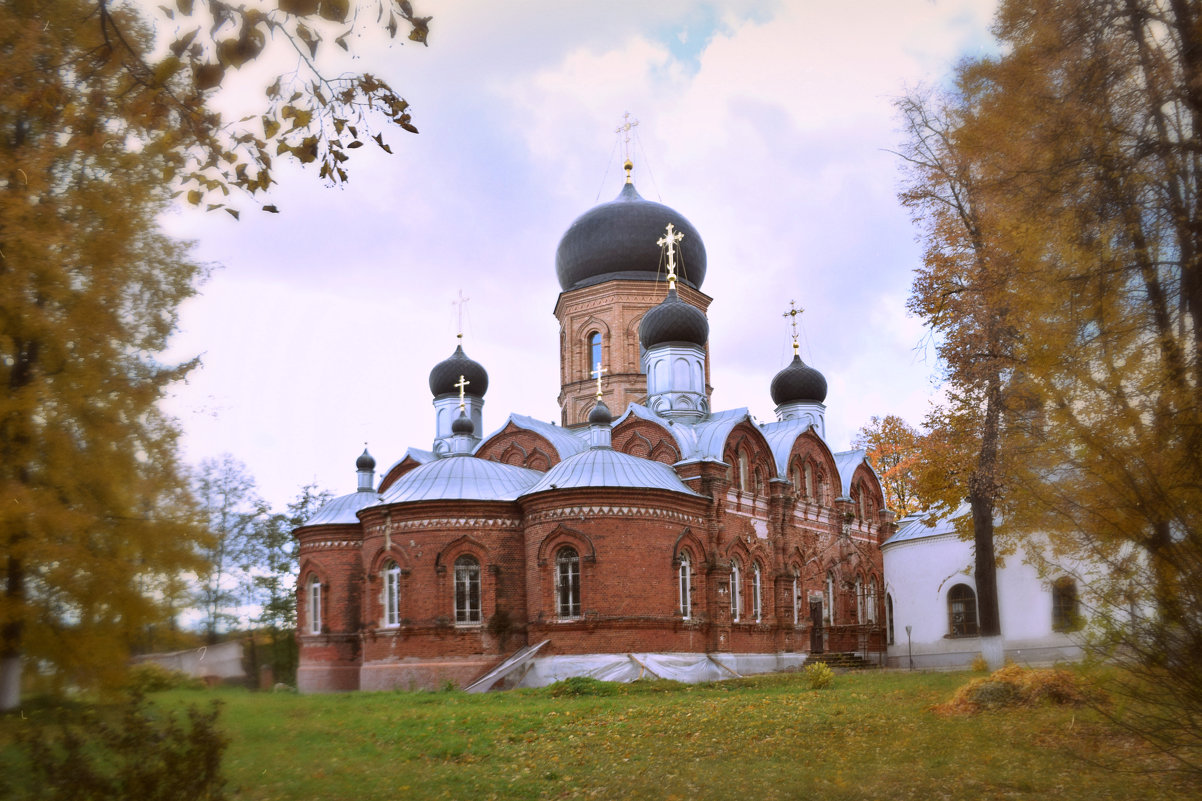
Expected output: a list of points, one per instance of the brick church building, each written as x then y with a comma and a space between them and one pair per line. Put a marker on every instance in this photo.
644, 534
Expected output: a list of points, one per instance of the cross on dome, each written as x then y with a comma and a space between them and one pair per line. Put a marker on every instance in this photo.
793, 312
460, 301
628, 124
463, 382
669, 241
596, 373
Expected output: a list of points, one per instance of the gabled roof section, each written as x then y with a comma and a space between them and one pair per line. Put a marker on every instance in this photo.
566, 443
916, 526
415, 456
342, 510
781, 436
847, 462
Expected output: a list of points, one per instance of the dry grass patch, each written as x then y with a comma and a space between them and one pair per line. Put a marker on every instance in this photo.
1015, 685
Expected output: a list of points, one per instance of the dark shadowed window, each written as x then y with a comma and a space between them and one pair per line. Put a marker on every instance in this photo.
567, 583
962, 611
1065, 615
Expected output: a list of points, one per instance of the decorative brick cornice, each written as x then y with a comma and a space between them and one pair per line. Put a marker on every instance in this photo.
614, 510
329, 544
454, 523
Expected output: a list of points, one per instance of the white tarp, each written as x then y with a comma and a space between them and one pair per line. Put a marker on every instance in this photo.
686, 667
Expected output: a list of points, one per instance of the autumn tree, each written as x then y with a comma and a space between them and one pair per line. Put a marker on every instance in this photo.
1086, 130
892, 446
98, 127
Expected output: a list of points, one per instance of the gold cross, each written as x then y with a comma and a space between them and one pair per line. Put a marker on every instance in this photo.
463, 382
597, 373
627, 125
460, 302
793, 312
669, 240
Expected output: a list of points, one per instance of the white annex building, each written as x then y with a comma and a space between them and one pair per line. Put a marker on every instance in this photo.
931, 601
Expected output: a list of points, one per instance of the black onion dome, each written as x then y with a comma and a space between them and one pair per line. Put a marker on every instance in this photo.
600, 415
365, 461
617, 240
445, 376
673, 320
798, 382
463, 425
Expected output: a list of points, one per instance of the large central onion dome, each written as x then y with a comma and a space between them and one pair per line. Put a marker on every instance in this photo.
617, 240
798, 382
445, 375
673, 320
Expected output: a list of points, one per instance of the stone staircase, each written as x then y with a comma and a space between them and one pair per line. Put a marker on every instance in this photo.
848, 660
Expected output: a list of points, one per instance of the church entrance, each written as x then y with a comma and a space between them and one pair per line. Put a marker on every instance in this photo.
815, 627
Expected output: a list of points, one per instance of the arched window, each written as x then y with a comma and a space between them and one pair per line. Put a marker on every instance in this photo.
809, 479
872, 600
863, 504
889, 618
736, 590
685, 576
795, 477
757, 608
314, 605
1065, 616
467, 590
830, 597
392, 595
962, 611
744, 479
594, 352
567, 583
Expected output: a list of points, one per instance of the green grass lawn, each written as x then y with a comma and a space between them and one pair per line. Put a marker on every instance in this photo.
871, 735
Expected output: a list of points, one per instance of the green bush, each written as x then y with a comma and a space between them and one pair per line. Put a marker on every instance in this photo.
151, 677
582, 685
819, 675
136, 754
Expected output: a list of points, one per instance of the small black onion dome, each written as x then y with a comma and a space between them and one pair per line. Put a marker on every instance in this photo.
463, 425
673, 320
600, 415
445, 375
365, 461
617, 240
798, 382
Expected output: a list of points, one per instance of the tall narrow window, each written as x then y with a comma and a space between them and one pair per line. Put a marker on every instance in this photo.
736, 590
795, 477
1064, 605
594, 351
392, 594
685, 576
757, 608
863, 504
872, 600
314, 605
744, 477
467, 590
809, 478
830, 597
796, 597
860, 600
889, 617
962, 611
567, 583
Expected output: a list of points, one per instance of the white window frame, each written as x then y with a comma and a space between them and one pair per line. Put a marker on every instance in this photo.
830, 598
796, 599
392, 595
736, 590
757, 607
684, 582
860, 600
467, 577
809, 479
567, 581
314, 605
872, 599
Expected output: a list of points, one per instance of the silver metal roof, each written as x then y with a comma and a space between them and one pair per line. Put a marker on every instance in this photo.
342, 510
781, 435
916, 527
703, 440
846, 463
463, 478
418, 455
565, 442
605, 467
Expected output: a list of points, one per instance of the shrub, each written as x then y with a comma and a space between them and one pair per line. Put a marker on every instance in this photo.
151, 677
582, 685
143, 755
979, 665
819, 675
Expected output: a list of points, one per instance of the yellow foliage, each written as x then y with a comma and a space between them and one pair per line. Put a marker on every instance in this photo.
1014, 685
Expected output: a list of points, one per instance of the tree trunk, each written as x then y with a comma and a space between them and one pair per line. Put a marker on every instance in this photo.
10, 639
982, 495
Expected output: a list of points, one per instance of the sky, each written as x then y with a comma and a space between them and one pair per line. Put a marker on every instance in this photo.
769, 125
